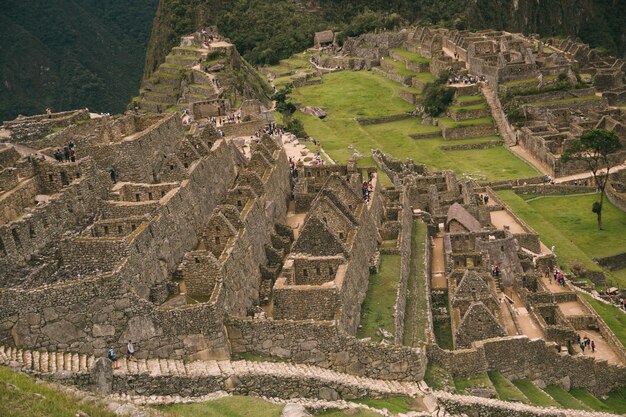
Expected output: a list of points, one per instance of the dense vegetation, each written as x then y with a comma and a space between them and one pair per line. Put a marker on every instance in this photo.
265, 31
68, 53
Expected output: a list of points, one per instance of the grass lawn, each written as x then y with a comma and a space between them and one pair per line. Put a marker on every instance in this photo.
505, 389
443, 334
590, 400
565, 100
411, 56
612, 316
378, 308
226, 407
348, 95
31, 399
416, 317
400, 68
481, 381
472, 98
438, 378
448, 122
392, 404
616, 400
534, 394
352, 412
565, 398
568, 223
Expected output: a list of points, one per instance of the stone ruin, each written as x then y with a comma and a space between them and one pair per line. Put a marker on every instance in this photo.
544, 82
199, 246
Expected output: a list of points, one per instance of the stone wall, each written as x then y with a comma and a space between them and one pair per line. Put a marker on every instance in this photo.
616, 198
384, 119
465, 132
89, 314
485, 407
243, 129
614, 262
518, 357
321, 344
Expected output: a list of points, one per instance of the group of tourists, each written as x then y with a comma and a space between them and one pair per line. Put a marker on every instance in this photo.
466, 79
68, 154
495, 271
367, 188
130, 350
293, 169
484, 198
559, 277
586, 343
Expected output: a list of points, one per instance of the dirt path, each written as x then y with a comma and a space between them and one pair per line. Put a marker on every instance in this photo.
585, 175
502, 218
438, 280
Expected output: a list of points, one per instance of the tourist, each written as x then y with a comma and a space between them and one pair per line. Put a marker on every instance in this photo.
593, 347
49, 112
113, 357
486, 199
66, 153
58, 155
131, 350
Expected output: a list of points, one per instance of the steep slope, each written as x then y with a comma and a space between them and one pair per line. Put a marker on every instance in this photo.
71, 53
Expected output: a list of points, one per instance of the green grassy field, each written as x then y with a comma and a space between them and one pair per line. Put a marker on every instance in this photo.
416, 318
534, 394
358, 412
226, 407
392, 404
505, 388
568, 223
378, 308
411, 56
480, 381
565, 398
26, 398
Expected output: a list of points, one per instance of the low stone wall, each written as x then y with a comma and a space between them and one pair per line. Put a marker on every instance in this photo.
485, 407
409, 97
465, 132
519, 357
614, 262
243, 129
384, 119
616, 198
464, 114
467, 147
400, 79
321, 344
553, 189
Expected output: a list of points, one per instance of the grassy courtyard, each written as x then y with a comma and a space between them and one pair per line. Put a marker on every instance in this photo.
416, 318
378, 308
349, 95
568, 223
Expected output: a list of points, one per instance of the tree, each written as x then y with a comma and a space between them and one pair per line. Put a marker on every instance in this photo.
595, 147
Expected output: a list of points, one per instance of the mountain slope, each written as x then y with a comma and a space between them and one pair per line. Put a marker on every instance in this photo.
266, 31
71, 53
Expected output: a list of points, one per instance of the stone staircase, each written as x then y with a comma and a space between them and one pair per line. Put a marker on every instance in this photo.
57, 362
46, 362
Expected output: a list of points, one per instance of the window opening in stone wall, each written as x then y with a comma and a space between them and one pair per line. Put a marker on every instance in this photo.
3, 251
149, 196
50, 177
78, 175
162, 193
186, 165
330, 271
31, 231
64, 179
305, 272
137, 197
197, 260
238, 203
217, 228
217, 240
341, 235
106, 230
120, 229
133, 227
171, 167
318, 271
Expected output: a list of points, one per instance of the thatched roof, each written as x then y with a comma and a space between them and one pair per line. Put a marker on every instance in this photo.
326, 36
457, 212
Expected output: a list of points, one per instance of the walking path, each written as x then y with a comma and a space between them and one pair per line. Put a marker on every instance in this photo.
585, 175
438, 268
